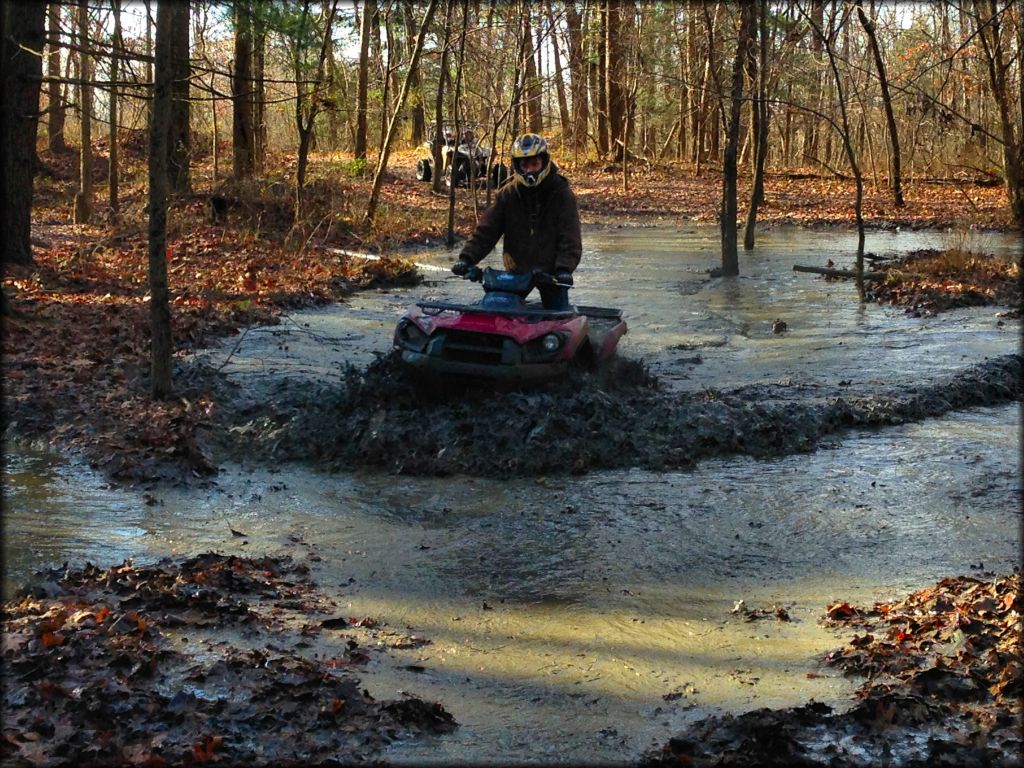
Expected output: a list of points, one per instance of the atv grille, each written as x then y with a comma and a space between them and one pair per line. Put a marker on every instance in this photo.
475, 348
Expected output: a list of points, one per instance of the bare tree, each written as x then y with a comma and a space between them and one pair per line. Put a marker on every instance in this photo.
895, 180
55, 111
161, 383
83, 200
112, 111
744, 39
242, 131
759, 123
366, 30
382, 162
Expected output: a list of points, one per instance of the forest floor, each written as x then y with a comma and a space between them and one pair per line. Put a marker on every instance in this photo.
75, 377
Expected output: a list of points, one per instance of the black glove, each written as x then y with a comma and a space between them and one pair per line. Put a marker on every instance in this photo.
563, 277
461, 267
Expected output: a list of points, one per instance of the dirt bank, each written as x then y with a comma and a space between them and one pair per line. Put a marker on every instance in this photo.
382, 417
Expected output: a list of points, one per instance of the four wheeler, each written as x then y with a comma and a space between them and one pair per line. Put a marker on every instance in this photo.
461, 161
504, 337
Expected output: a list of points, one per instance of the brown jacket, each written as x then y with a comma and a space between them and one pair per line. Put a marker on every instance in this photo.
541, 227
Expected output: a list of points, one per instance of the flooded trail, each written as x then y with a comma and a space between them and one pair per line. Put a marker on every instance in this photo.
693, 331
583, 619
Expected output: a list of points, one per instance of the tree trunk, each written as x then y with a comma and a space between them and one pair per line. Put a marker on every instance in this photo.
159, 184
615, 98
437, 180
362, 87
601, 88
759, 126
83, 200
243, 134
259, 101
990, 33
578, 73
890, 120
149, 57
22, 33
112, 112
534, 114
56, 114
382, 162
730, 257
180, 138
563, 103
417, 113
459, 68
850, 155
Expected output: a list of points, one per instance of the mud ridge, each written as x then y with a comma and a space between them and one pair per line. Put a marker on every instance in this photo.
381, 417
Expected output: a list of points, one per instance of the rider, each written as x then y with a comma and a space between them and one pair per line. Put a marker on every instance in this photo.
538, 216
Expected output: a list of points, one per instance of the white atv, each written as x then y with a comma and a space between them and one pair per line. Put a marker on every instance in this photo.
460, 162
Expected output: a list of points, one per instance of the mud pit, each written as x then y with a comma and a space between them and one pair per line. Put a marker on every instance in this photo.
700, 373
588, 618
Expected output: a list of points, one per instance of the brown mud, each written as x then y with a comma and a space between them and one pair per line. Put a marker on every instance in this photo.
384, 417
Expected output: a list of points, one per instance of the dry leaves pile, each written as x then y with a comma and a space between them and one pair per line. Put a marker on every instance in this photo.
76, 345
189, 662
944, 688
927, 282
950, 651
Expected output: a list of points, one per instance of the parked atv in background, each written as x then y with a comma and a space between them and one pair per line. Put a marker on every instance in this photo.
460, 162
505, 338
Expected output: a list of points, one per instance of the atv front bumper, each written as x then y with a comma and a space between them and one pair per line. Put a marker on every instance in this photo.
521, 372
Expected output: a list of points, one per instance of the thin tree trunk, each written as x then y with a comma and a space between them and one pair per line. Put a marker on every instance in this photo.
615, 97
83, 200
242, 131
56, 115
112, 112
417, 114
385, 151
730, 257
890, 120
438, 139
459, 66
850, 155
563, 104
362, 87
180, 138
259, 91
601, 100
759, 127
578, 74
159, 305
534, 115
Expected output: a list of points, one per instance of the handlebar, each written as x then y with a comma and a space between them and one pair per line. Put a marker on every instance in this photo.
476, 274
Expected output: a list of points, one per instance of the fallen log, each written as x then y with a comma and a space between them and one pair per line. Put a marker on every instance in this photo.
830, 272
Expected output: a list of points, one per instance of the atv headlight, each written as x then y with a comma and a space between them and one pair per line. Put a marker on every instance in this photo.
409, 336
551, 342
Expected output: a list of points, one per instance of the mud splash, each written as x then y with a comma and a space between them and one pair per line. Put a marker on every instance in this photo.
383, 417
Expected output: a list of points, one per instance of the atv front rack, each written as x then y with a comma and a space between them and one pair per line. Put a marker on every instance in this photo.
436, 307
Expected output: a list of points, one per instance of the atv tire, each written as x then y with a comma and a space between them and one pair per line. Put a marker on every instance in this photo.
460, 173
423, 170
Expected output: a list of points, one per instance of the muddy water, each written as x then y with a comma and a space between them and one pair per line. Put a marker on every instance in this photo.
693, 330
586, 619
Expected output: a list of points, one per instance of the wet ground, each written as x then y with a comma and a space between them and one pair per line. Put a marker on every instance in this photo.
588, 618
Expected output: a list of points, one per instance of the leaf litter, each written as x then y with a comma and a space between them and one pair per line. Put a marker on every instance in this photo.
944, 679
191, 661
